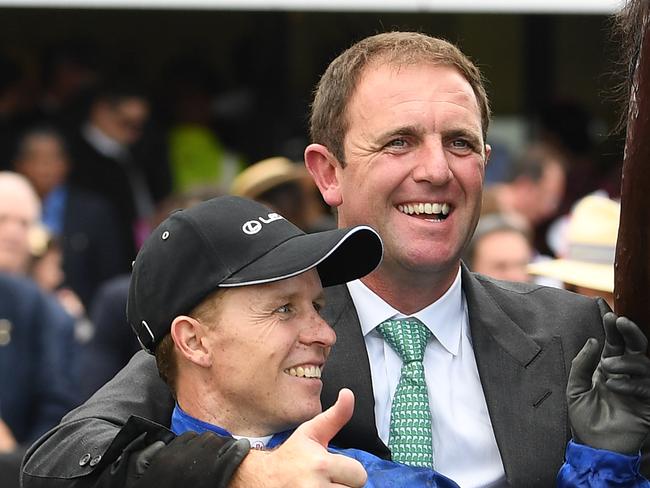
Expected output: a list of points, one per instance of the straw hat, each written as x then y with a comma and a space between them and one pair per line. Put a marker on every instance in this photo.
39, 240
265, 175
591, 246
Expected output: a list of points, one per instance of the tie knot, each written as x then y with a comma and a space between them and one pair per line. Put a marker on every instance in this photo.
408, 337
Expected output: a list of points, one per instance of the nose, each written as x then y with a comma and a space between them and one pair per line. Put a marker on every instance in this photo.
432, 165
318, 332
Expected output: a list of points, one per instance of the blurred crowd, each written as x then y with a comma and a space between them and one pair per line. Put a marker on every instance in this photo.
86, 172
553, 215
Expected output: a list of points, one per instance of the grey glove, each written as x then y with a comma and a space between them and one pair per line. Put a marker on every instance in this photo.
609, 395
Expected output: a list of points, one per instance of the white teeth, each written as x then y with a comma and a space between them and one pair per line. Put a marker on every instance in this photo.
304, 371
424, 208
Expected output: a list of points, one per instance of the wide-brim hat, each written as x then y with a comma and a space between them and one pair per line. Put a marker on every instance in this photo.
265, 175
588, 259
229, 242
589, 275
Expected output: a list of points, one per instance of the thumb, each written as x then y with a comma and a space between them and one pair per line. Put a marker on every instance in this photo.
582, 369
326, 424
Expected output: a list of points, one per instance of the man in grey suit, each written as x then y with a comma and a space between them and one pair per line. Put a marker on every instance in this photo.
399, 124
398, 128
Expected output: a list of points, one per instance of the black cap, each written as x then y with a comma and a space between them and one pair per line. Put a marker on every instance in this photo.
232, 241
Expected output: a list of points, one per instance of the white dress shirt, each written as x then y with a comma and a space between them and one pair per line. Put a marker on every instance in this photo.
464, 446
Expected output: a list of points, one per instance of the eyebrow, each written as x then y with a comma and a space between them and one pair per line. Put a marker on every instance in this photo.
290, 296
406, 130
474, 136
416, 130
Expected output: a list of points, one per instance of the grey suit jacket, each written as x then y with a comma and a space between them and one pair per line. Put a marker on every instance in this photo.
524, 338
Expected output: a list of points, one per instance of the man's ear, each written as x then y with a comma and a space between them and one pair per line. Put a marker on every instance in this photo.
188, 336
488, 151
324, 168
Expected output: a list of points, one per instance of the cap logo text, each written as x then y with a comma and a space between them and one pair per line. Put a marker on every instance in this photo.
253, 226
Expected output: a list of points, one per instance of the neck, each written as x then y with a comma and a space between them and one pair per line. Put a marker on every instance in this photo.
410, 292
204, 404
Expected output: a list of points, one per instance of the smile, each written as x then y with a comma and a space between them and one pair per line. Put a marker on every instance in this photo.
304, 371
439, 210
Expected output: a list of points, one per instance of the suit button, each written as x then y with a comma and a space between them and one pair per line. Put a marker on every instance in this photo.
85, 459
95, 461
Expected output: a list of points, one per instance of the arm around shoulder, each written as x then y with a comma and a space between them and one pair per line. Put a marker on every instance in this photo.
74, 453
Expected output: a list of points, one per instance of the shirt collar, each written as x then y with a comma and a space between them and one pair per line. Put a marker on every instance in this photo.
444, 317
184, 422
104, 144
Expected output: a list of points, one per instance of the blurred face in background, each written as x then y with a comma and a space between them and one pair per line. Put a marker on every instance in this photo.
502, 254
122, 120
42, 160
543, 197
19, 211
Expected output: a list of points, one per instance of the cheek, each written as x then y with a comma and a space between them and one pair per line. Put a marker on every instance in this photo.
468, 173
266, 357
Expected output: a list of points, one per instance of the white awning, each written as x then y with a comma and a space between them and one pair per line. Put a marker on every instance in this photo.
451, 6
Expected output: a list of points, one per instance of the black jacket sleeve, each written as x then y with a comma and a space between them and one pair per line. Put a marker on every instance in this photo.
94, 444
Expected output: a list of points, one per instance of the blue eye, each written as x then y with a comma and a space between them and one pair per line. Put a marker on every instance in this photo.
397, 143
286, 308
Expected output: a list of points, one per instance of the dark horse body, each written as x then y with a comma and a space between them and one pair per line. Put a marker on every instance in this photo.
632, 271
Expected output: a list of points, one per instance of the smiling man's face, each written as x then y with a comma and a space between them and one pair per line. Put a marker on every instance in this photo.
413, 166
415, 158
269, 345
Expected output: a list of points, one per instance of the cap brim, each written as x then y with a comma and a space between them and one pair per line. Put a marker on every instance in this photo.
340, 255
589, 275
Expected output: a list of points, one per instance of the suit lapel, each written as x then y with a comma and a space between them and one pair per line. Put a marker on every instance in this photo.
348, 367
522, 382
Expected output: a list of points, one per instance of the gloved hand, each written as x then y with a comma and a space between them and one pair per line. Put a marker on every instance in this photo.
609, 396
199, 461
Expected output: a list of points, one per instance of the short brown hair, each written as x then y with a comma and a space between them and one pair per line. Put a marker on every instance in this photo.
329, 124
206, 311
166, 362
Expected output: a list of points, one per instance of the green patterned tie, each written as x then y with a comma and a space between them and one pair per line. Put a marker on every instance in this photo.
410, 417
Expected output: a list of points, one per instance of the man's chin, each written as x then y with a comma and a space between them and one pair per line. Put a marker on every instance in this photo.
305, 414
